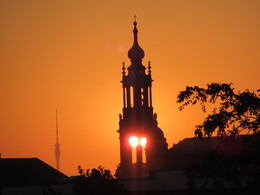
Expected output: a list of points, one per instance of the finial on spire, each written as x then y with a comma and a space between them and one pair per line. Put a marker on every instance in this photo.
135, 23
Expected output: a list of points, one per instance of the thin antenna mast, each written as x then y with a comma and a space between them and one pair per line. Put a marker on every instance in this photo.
57, 128
57, 145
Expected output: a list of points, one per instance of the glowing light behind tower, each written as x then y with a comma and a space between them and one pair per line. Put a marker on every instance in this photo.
143, 144
143, 141
135, 141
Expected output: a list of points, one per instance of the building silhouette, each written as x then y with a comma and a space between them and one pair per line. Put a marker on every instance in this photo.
143, 146
17, 172
57, 145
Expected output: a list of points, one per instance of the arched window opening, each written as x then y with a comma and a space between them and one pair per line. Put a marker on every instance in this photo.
150, 96
131, 97
142, 96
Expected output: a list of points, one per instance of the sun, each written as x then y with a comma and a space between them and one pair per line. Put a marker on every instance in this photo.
133, 141
143, 141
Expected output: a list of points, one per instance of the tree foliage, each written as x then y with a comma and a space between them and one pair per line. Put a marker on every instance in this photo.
238, 111
97, 181
236, 164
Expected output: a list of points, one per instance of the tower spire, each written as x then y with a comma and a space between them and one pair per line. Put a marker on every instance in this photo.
136, 53
57, 145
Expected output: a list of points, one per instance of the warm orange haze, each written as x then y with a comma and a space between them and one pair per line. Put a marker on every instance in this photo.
68, 55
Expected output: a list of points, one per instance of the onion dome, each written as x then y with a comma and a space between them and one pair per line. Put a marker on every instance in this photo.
136, 53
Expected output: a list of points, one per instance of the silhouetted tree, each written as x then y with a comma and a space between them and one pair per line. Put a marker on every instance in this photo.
97, 181
237, 111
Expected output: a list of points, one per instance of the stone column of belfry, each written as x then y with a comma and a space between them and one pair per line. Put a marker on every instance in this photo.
138, 119
139, 160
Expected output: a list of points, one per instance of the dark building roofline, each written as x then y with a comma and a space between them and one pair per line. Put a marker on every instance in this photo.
28, 171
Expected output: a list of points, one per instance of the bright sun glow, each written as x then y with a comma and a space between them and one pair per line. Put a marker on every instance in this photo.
143, 141
133, 141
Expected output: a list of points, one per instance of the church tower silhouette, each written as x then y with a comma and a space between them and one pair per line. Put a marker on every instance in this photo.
143, 146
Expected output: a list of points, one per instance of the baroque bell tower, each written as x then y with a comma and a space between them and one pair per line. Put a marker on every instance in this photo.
143, 146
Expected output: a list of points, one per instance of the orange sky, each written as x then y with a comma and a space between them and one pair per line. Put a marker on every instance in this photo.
68, 55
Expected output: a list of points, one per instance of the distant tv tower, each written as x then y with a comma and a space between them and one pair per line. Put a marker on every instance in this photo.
57, 145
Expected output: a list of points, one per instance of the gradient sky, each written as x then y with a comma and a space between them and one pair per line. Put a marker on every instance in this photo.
68, 55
